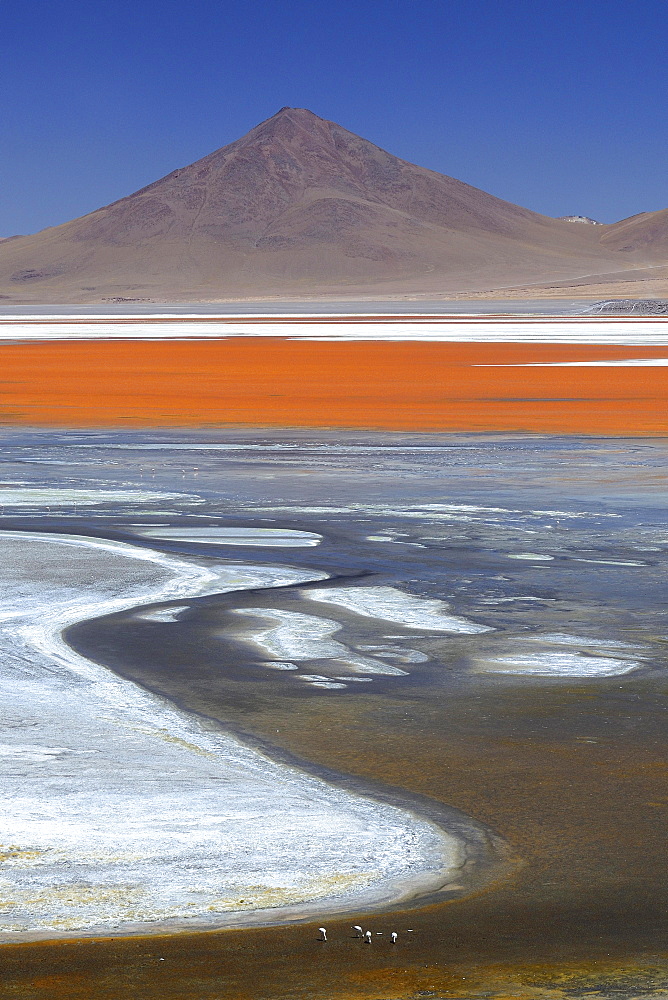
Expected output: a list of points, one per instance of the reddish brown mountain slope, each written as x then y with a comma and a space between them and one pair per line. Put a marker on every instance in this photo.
647, 232
298, 206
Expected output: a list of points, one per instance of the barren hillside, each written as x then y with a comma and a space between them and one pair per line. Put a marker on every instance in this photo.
300, 206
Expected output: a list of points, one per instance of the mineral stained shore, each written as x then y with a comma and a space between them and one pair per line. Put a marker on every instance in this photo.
121, 812
548, 726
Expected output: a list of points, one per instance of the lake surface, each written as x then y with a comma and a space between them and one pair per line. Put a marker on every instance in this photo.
549, 307
470, 627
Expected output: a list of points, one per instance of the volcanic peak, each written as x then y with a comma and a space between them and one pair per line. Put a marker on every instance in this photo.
300, 204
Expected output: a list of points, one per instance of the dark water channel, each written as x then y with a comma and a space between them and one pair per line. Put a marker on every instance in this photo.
548, 728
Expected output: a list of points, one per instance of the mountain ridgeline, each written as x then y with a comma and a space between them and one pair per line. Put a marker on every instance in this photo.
301, 207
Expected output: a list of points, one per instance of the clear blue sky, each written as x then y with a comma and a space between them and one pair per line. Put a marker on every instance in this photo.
560, 106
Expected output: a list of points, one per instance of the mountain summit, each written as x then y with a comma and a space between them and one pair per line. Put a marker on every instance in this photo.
297, 206
298, 177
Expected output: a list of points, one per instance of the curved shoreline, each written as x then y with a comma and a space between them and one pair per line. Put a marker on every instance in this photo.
420, 874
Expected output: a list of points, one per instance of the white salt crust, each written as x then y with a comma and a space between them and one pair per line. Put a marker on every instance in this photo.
291, 635
265, 537
462, 329
392, 605
560, 664
121, 812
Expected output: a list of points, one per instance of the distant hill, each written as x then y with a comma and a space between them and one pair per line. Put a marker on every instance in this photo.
645, 232
300, 206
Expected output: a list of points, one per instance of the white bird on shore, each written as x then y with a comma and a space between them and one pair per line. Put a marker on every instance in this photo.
368, 937
323, 932
393, 935
356, 927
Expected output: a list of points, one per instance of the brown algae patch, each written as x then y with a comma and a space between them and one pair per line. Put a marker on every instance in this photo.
15, 855
261, 897
66, 908
167, 737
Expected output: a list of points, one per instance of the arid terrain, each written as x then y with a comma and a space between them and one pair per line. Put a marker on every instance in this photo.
301, 207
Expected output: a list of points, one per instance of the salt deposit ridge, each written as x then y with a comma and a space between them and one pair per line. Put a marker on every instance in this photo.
606, 330
121, 811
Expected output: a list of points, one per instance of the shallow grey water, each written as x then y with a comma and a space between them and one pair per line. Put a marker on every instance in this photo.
544, 557
545, 722
281, 307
